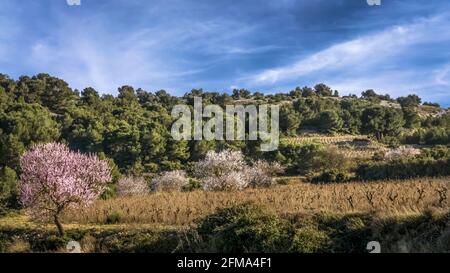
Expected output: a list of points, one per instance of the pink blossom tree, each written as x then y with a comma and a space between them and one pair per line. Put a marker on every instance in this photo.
54, 179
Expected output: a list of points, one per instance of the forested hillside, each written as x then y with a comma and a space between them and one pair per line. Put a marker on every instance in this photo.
132, 129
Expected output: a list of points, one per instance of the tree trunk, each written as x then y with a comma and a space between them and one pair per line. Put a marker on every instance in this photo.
378, 136
59, 225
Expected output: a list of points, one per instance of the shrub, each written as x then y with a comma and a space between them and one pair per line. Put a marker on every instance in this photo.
194, 184
401, 152
428, 136
113, 218
310, 239
8, 189
437, 152
110, 192
170, 181
331, 176
284, 181
403, 169
132, 185
140, 242
391, 141
50, 243
312, 157
435, 136
243, 228
348, 233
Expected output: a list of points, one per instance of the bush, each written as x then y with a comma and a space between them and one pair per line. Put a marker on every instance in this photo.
8, 190
312, 157
110, 191
140, 242
170, 181
428, 136
193, 185
348, 233
284, 181
51, 243
243, 228
401, 152
113, 218
132, 185
437, 152
403, 169
310, 239
331, 176
391, 141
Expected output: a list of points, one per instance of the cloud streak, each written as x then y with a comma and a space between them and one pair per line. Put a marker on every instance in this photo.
364, 52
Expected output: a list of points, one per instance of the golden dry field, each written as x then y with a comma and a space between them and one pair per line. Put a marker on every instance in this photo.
384, 198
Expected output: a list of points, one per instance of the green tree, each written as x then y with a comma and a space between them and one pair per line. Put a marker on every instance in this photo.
330, 122
381, 121
409, 101
289, 120
239, 94
84, 130
8, 189
122, 144
412, 119
23, 125
51, 92
199, 148
323, 90
371, 95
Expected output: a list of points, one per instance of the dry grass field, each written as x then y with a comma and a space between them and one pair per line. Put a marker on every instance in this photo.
385, 198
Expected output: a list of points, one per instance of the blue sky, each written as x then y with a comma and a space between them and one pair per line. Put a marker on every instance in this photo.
400, 47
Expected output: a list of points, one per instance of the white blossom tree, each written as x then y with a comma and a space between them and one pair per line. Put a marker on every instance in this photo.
132, 185
170, 181
227, 170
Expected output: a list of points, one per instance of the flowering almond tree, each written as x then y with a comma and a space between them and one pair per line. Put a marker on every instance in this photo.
222, 171
170, 181
228, 171
54, 179
131, 185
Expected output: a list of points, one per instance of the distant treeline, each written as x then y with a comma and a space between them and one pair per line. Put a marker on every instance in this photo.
133, 128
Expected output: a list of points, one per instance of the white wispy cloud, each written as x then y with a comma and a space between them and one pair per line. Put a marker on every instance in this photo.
442, 76
361, 53
87, 54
